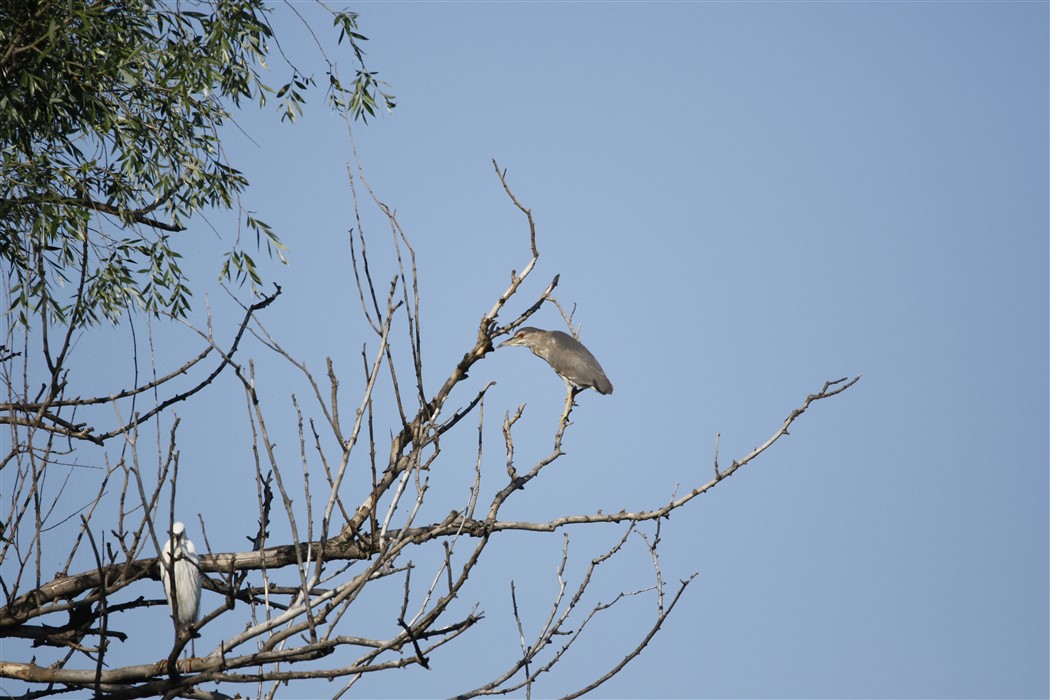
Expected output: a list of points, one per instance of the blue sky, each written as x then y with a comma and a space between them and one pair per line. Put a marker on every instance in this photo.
743, 201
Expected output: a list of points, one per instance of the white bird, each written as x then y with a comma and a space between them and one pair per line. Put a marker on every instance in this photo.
187, 581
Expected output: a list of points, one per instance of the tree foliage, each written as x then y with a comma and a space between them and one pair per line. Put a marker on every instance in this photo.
110, 118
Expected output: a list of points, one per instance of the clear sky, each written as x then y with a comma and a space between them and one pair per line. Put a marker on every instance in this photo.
743, 201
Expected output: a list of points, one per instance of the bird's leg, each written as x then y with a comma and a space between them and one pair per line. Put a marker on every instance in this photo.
569, 403
572, 390
570, 400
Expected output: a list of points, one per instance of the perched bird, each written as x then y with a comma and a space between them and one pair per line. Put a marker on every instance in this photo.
180, 555
566, 356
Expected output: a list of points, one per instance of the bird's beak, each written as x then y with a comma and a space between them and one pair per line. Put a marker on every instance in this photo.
508, 341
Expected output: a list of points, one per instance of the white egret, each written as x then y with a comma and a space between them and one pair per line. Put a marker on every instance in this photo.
187, 580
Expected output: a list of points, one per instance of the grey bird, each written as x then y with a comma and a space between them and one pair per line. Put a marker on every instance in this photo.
566, 356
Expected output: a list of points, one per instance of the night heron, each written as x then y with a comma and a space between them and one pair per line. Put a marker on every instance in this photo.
566, 356
179, 556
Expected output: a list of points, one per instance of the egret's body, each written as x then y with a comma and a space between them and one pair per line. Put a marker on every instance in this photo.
184, 592
567, 356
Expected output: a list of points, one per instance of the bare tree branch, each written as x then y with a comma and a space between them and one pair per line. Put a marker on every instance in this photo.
292, 625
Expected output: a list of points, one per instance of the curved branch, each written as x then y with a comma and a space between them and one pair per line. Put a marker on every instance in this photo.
82, 432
